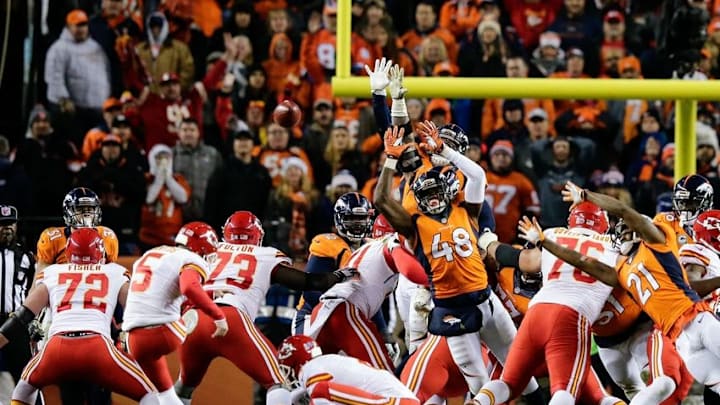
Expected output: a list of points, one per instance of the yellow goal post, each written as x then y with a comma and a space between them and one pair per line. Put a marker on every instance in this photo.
684, 92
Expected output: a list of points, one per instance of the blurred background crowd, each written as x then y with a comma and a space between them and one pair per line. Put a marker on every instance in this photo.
164, 107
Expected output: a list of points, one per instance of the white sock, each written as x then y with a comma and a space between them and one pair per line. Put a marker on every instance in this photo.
661, 388
612, 401
716, 388
531, 387
492, 393
150, 399
277, 395
169, 397
562, 397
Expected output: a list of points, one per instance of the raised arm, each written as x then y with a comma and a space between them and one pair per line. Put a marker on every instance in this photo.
384, 202
639, 223
532, 232
525, 260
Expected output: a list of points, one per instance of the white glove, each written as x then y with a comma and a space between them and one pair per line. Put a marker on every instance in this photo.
486, 239
530, 230
221, 328
397, 74
379, 79
394, 352
573, 194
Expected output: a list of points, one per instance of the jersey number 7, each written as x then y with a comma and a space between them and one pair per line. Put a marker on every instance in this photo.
99, 290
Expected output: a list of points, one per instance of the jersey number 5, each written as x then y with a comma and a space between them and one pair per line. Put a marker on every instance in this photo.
143, 272
99, 290
246, 265
571, 243
462, 245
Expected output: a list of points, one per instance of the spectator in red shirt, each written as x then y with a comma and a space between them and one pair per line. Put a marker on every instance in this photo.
530, 18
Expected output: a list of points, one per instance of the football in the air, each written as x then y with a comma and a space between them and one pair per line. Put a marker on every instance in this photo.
287, 114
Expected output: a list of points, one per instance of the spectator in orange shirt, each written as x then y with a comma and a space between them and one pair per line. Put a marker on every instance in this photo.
112, 107
317, 50
492, 117
282, 70
439, 112
628, 113
273, 155
161, 216
509, 192
460, 17
574, 67
363, 48
425, 26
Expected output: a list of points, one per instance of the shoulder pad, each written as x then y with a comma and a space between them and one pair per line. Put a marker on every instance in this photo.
327, 245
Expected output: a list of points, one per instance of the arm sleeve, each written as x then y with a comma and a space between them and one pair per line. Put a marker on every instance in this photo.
409, 267
191, 288
382, 113
476, 178
317, 266
379, 320
486, 219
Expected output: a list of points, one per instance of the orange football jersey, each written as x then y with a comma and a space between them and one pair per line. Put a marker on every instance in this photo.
618, 315
515, 300
510, 196
408, 197
447, 248
331, 246
657, 281
52, 242
673, 221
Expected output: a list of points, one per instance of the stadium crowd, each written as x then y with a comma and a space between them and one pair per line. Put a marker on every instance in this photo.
164, 110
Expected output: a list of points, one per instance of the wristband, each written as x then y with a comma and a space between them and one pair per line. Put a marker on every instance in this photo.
391, 163
539, 243
398, 108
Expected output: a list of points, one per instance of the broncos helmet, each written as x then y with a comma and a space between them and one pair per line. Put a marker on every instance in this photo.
692, 195
410, 160
81, 208
455, 137
354, 216
432, 191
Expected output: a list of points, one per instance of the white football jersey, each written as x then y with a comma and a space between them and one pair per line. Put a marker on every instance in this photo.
83, 296
377, 278
352, 372
154, 297
564, 284
695, 253
243, 273
404, 293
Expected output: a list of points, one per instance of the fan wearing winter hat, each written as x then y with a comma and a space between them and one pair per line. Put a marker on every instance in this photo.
707, 150
162, 216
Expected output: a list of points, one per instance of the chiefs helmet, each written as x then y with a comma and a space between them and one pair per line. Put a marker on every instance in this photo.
353, 215
589, 216
81, 208
707, 230
692, 195
198, 237
432, 191
454, 137
294, 352
85, 246
381, 227
243, 228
